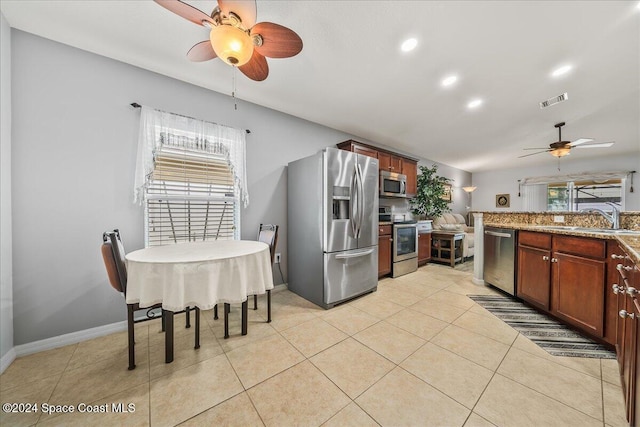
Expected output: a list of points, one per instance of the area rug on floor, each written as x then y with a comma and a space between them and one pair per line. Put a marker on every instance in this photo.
549, 334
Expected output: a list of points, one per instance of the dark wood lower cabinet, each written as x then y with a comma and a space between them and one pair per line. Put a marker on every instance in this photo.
625, 289
384, 250
578, 297
534, 276
424, 248
593, 285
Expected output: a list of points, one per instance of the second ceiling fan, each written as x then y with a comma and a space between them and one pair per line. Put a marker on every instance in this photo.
562, 148
236, 38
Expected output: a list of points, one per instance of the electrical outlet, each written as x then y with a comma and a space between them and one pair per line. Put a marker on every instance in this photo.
277, 257
558, 218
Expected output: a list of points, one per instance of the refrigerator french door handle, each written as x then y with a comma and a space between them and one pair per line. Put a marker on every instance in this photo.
353, 202
355, 255
360, 200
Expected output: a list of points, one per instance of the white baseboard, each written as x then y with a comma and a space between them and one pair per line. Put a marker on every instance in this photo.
477, 281
6, 360
66, 339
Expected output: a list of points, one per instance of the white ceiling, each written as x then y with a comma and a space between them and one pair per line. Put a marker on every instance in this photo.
352, 76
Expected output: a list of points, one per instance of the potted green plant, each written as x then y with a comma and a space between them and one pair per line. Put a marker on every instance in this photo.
429, 201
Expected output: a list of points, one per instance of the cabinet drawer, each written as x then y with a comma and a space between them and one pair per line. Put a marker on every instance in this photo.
536, 240
593, 248
384, 230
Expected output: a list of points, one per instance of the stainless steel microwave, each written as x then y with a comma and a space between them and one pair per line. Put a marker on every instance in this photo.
393, 184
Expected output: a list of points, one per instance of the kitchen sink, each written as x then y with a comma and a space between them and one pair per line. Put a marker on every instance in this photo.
586, 229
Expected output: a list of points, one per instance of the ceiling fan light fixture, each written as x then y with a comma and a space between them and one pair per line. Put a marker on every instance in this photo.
560, 152
233, 45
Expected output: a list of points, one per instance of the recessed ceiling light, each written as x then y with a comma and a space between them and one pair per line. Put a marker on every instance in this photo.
448, 81
409, 45
474, 103
561, 71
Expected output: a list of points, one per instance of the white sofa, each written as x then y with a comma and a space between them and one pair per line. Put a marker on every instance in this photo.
456, 222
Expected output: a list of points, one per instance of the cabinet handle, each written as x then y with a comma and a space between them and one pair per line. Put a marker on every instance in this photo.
632, 291
554, 259
621, 267
615, 288
625, 313
614, 256
545, 258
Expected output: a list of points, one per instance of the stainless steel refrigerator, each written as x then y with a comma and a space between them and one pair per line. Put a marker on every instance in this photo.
332, 233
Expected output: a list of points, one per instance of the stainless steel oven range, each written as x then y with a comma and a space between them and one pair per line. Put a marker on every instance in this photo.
405, 248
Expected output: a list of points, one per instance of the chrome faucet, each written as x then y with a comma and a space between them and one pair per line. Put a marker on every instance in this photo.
614, 218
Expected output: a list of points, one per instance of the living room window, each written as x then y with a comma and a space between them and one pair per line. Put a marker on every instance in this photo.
192, 179
574, 196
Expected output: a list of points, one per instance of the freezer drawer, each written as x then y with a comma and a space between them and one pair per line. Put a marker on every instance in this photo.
348, 274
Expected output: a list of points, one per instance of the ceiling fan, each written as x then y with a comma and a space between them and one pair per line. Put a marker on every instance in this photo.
562, 148
236, 38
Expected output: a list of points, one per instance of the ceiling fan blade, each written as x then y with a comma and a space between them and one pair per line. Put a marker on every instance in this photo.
257, 68
186, 11
597, 145
536, 148
202, 51
580, 141
245, 9
277, 41
532, 154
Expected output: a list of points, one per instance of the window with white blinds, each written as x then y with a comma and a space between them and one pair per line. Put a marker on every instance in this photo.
189, 196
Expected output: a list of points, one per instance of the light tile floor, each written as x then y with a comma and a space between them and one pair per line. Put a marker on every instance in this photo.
416, 352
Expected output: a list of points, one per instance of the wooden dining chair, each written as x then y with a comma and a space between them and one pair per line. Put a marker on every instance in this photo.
267, 233
113, 255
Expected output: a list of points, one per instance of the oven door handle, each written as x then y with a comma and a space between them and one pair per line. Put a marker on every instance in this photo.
355, 255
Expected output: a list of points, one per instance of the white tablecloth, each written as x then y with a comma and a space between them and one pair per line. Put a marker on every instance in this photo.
200, 274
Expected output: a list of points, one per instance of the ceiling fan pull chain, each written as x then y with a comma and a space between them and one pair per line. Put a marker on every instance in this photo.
233, 88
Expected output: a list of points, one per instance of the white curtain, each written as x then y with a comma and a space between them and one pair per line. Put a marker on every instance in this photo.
582, 176
534, 198
159, 128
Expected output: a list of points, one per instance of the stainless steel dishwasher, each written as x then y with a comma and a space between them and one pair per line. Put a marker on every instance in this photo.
499, 258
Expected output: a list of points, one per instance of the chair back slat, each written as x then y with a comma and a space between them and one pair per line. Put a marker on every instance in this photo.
115, 263
268, 233
110, 264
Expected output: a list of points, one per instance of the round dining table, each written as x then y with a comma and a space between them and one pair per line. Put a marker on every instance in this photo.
198, 274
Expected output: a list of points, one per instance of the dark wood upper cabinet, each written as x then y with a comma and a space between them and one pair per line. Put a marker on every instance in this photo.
387, 160
390, 162
410, 169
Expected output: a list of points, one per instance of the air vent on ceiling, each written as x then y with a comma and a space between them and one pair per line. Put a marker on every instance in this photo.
556, 99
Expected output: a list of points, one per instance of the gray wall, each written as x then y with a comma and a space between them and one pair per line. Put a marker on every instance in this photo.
6, 291
74, 147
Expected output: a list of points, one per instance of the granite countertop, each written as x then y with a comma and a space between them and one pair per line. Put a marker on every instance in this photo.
629, 242
385, 223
